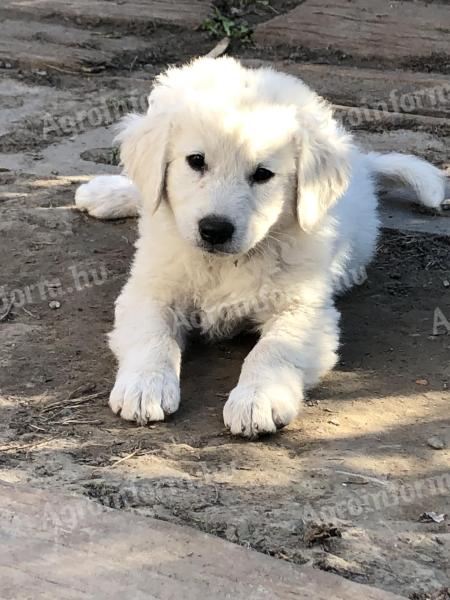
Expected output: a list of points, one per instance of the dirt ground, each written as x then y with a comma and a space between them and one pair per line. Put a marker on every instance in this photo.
345, 488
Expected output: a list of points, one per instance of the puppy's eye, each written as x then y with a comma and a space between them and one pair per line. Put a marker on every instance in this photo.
196, 161
261, 175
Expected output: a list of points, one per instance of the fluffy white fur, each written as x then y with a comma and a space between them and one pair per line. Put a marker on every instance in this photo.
299, 237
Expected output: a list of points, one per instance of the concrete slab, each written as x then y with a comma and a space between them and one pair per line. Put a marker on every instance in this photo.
382, 28
398, 210
430, 146
397, 214
33, 117
21, 102
65, 547
65, 157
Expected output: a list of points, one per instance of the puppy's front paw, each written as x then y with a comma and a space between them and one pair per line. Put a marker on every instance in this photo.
252, 410
143, 397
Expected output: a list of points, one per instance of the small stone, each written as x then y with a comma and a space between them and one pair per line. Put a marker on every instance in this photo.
446, 283
334, 421
356, 479
28, 437
436, 443
421, 381
54, 304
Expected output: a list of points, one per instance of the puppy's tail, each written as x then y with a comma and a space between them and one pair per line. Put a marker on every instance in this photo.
425, 180
109, 197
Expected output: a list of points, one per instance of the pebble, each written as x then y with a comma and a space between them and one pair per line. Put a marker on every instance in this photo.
436, 443
54, 304
357, 479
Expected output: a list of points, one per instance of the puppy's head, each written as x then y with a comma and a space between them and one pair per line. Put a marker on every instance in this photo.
235, 152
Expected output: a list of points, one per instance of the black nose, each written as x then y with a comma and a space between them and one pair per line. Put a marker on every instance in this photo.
215, 230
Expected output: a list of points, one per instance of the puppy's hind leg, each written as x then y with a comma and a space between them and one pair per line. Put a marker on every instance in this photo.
109, 197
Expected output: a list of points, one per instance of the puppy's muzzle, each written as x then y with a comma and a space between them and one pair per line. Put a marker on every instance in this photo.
215, 230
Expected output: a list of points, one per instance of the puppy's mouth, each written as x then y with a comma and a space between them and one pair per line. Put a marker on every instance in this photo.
217, 249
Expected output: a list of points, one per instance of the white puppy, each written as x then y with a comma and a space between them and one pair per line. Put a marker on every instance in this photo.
255, 205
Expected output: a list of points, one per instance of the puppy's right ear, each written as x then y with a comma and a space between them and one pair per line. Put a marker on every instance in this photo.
143, 151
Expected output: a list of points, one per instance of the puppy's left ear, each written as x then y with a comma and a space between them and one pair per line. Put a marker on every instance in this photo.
323, 170
143, 152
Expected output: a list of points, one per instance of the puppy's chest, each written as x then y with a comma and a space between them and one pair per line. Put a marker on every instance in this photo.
222, 299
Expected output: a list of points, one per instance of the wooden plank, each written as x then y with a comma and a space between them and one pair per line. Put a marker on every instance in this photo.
65, 547
176, 12
389, 90
42, 56
31, 44
379, 120
367, 28
353, 95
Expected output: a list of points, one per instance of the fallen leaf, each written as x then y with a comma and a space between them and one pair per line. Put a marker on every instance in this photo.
316, 533
427, 517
